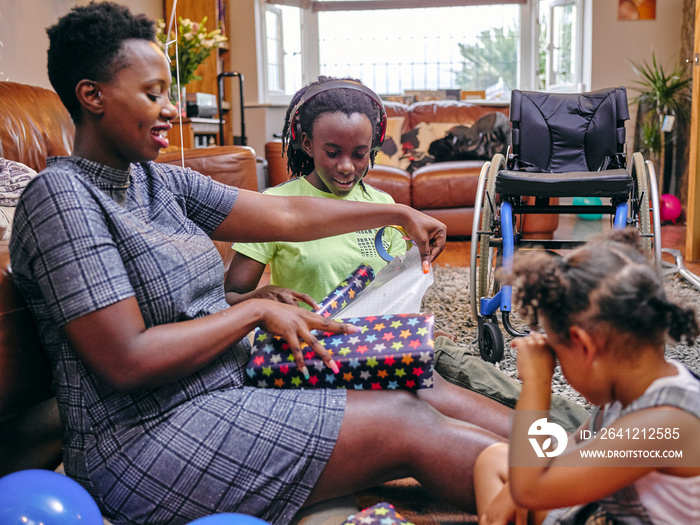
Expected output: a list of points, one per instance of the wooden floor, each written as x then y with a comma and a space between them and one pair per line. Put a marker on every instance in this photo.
457, 253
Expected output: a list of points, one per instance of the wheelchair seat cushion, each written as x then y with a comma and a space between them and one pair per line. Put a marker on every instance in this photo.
609, 183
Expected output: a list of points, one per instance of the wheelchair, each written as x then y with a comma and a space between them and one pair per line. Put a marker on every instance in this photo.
564, 146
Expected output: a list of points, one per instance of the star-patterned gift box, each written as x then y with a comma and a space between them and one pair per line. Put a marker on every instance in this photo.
380, 514
347, 291
388, 352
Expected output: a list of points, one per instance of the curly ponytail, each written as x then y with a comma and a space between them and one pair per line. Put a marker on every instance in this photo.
608, 280
539, 284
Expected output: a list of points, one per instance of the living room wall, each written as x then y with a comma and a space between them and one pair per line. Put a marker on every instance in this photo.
23, 26
611, 46
615, 42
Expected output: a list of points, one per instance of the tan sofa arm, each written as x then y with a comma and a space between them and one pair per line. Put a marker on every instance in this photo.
232, 165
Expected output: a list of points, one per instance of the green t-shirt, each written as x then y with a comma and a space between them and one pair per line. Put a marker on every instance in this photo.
316, 267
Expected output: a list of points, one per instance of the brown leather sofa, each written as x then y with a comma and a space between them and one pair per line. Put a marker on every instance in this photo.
33, 125
444, 190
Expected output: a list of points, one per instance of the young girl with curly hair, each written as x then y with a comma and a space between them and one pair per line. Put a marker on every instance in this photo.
604, 316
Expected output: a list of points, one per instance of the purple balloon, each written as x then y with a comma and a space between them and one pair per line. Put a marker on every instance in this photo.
44, 496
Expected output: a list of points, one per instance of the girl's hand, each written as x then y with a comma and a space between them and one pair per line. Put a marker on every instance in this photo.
535, 358
283, 295
503, 510
429, 235
295, 326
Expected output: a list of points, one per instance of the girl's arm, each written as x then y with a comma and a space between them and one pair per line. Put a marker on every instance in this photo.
606, 464
115, 344
242, 284
494, 503
257, 217
596, 468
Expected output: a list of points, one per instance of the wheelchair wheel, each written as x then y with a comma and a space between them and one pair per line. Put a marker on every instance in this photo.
486, 284
639, 174
490, 342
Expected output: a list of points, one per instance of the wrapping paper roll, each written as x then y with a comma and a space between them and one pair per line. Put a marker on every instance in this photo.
346, 291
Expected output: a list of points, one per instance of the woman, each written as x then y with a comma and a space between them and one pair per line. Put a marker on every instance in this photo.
113, 253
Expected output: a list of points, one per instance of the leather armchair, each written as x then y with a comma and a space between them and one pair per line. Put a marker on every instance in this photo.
34, 125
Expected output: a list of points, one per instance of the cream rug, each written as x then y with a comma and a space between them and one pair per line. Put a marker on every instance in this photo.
448, 299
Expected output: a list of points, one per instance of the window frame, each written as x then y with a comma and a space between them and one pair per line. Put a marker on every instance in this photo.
528, 47
576, 84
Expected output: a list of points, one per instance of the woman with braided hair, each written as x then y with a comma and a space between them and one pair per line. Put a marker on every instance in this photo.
604, 316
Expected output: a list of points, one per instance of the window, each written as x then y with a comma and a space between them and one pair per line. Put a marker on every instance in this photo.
530, 45
467, 47
282, 53
561, 25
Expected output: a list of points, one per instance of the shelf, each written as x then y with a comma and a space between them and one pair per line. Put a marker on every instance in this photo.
196, 132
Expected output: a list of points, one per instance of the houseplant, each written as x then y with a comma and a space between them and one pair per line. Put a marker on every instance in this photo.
661, 95
187, 48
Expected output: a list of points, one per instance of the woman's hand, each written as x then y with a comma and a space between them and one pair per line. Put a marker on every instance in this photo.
295, 325
535, 358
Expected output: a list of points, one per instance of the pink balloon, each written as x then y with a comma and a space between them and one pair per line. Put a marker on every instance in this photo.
669, 207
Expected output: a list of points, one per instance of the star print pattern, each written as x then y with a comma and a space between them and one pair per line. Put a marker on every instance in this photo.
380, 514
365, 360
347, 291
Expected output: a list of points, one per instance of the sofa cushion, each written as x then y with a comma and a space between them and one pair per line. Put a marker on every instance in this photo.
489, 135
231, 165
462, 113
391, 153
395, 181
417, 141
397, 109
446, 185
14, 177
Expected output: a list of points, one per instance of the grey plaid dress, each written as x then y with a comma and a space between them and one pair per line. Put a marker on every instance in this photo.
86, 236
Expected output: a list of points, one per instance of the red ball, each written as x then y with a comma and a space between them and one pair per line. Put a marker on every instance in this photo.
669, 207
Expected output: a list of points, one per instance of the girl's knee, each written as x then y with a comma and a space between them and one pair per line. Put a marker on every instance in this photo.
493, 458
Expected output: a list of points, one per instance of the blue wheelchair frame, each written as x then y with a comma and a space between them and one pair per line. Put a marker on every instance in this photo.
502, 300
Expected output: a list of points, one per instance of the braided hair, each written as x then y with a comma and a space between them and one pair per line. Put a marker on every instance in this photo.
347, 101
608, 280
87, 44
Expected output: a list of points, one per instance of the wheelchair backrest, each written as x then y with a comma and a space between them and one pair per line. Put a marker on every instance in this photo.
562, 132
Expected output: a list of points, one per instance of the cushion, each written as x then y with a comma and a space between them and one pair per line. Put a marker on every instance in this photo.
417, 142
481, 141
392, 152
14, 177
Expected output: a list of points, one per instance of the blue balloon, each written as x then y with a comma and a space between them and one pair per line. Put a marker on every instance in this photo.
44, 496
588, 201
229, 518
